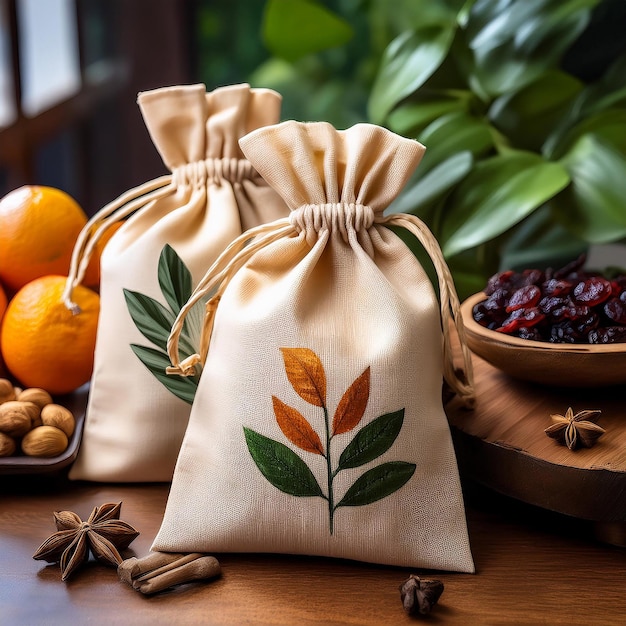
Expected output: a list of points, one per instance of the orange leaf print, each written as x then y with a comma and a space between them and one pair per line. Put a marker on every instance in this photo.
352, 405
296, 428
306, 374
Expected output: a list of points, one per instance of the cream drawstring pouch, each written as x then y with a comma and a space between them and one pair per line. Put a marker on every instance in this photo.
318, 426
174, 229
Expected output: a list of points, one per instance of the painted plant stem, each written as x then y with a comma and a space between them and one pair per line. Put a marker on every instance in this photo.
331, 499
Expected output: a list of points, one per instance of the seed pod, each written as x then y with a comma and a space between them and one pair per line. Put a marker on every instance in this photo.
44, 441
7, 445
16, 418
59, 416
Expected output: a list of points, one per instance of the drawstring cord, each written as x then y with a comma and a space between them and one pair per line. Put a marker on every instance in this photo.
245, 246
92, 232
461, 382
215, 282
195, 174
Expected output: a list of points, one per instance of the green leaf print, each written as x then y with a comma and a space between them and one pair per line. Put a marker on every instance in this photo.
154, 321
281, 465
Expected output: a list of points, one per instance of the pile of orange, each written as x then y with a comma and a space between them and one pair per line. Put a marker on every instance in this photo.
44, 343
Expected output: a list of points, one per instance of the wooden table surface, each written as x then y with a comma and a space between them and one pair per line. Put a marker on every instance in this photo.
533, 567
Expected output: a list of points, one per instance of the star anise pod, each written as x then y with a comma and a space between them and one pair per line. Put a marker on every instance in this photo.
419, 595
102, 535
575, 430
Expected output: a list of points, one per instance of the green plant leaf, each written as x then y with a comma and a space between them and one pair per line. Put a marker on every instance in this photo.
407, 63
451, 134
528, 116
609, 126
539, 241
423, 192
411, 117
594, 206
282, 467
496, 195
174, 279
378, 483
183, 387
515, 42
295, 28
151, 318
372, 440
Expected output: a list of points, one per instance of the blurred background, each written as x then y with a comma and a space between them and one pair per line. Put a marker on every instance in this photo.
512, 98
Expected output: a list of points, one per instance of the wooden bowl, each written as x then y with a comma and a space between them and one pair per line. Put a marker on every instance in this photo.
556, 364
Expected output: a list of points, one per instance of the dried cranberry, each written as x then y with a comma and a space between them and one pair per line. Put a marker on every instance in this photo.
567, 305
610, 334
498, 281
531, 277
550, 303
569, 311
564, 333
592, 291
521, 318
532, 333
615, 310
525, 297
556, 287
585, 324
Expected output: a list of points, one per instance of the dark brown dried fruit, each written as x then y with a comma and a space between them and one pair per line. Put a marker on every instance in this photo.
569, 305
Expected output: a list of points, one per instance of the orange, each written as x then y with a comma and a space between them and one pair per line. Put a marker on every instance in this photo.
43, 343
38, 228
3, 305
3, 302
92, 275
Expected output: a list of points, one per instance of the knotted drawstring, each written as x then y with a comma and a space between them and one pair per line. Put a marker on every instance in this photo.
245, 246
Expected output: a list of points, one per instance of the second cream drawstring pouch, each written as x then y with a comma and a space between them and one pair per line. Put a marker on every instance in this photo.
318, 426
175, 228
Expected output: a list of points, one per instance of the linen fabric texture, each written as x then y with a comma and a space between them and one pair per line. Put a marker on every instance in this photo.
176, 227
318, 426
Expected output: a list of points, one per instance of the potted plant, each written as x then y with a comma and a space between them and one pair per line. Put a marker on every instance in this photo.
526, 159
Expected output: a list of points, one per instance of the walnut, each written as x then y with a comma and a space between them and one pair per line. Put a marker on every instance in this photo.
44, 441
34, 394
7, 445
59, 416
7, 392
16, 418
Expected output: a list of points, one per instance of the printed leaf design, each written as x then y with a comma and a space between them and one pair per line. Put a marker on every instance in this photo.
372, 440
282, 467
174, 278
296, 428
352, 405
306, 374
378, 483
156, 361
154, 321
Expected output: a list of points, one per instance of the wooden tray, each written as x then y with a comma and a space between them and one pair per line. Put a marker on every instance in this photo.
22, 464
502, 445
